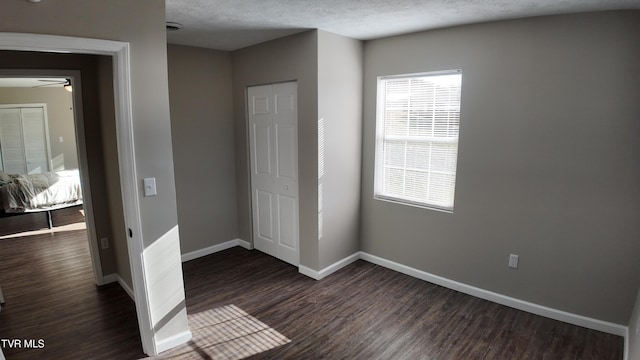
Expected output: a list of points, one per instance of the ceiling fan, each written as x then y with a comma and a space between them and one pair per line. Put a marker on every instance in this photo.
66, 83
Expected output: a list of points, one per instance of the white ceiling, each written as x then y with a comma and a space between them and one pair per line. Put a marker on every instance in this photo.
234, 24
32, 82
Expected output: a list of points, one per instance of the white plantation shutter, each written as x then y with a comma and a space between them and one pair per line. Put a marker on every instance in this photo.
417, 144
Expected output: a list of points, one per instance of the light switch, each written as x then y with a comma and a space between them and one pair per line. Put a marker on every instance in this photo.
150, 187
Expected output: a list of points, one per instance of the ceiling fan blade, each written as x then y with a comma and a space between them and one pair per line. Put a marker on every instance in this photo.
52, 83
48, 85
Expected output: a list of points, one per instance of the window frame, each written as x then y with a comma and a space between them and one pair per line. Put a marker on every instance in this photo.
379, 165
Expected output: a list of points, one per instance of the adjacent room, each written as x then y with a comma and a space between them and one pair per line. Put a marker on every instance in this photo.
38, 155
423, 179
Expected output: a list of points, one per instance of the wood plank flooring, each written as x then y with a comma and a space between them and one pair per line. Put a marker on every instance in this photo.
363, 311
50, 294
18, 224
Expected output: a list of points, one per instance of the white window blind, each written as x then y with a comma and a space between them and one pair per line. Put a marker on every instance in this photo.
418, 122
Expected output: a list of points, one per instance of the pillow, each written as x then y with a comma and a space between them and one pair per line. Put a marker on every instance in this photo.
4, 178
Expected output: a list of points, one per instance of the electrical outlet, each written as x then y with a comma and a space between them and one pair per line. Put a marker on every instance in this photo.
104, 243
513, 261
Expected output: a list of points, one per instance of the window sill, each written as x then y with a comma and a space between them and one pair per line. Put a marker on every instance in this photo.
412, 204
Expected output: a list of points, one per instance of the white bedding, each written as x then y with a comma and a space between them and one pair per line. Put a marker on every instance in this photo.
37, 192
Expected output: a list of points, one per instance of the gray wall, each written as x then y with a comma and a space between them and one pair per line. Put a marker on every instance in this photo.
547, 167
340, 106
142, 24
118, 240
290, 58
202, 124
59, 116
203, 147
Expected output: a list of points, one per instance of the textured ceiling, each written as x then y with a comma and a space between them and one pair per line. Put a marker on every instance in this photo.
234, 24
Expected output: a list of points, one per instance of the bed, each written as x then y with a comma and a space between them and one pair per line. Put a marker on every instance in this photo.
25, 193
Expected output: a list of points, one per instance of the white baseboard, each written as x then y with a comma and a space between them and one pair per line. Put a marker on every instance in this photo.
309, 272
555, 314
214, 249
126, 288
173, 341
318, 275
111, 278
245, 244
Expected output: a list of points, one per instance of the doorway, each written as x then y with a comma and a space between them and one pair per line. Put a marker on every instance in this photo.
273, 145
68, 127
120, 60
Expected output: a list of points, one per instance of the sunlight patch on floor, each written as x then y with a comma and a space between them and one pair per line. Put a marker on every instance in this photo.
226, 333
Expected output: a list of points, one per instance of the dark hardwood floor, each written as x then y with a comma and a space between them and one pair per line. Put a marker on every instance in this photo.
24, 224
50, 295
363, 311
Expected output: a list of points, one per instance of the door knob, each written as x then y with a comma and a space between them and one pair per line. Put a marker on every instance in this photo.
286, 187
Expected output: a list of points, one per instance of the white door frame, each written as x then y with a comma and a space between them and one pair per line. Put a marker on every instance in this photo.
119, 51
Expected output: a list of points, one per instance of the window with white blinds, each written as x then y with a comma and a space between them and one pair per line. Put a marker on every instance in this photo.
418, 122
